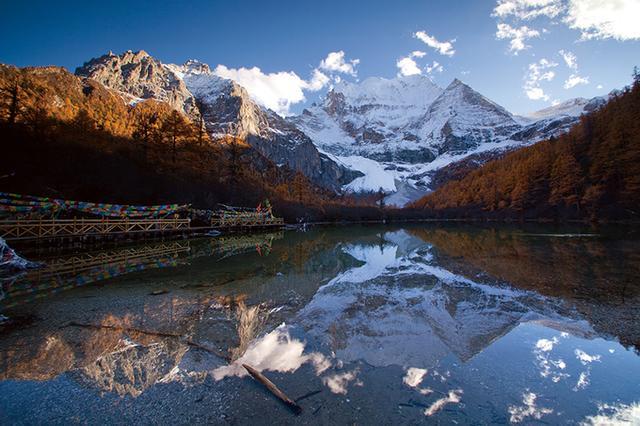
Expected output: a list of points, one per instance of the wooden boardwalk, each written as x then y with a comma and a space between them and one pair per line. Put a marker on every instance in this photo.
38, 229
60, 228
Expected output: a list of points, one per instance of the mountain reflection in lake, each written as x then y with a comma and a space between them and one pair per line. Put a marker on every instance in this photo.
360, 324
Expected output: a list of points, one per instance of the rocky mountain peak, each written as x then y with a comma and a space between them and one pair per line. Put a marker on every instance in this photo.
194, 66
142, 76
461, 119
334, 103
460, 96
571, 108
228, 109
456, 83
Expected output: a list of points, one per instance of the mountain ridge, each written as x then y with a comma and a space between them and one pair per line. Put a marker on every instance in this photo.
227, 109
378, 134
360, 120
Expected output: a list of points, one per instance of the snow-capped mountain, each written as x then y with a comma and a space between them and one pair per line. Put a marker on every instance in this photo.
400, 135
226, 107
400, 132
373, 118
571, 108
460, 119
557, 119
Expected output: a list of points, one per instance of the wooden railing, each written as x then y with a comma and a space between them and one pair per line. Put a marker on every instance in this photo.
51, 228
23, 229
84, 261
244, 219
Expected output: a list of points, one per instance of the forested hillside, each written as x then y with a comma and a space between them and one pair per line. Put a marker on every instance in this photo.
68, 137
592, 172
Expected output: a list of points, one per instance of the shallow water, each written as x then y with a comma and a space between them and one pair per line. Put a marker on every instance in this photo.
369, 325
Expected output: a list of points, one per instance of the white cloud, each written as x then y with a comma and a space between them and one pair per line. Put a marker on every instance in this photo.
546, 345
600, 19
538, 72
536, 93
418, 54
572, 62
574, 80
414, 376
599, 87
336, 62
442, 47
595, 19
453, 397
278, 91
434, 67
615, 415
338, 382
528, 409
407, 66
518, 36
569, 59
275, 351
528, 9
585, 358
318, 81
583, 381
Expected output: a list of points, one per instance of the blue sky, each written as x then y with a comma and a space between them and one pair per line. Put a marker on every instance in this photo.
509, 50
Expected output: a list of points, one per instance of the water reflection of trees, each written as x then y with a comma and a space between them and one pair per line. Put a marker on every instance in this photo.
69, 271
115, 351
140, 340
127, 347
127, 354
598, 275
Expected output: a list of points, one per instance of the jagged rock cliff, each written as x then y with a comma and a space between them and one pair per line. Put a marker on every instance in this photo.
141, 76
226, 107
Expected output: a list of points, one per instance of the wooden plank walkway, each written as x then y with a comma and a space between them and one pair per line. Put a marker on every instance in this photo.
53, 228
71, 228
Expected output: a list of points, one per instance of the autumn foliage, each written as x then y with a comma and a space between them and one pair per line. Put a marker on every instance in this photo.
69, 137
592, 172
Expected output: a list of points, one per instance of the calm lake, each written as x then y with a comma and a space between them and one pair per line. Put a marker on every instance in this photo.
360, 324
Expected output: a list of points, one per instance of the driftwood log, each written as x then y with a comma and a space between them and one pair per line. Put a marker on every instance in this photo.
273, 389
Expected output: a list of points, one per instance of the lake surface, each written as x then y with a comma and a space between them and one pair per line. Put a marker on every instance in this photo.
360, 324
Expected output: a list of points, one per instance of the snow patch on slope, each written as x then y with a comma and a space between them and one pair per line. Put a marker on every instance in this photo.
375, 176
